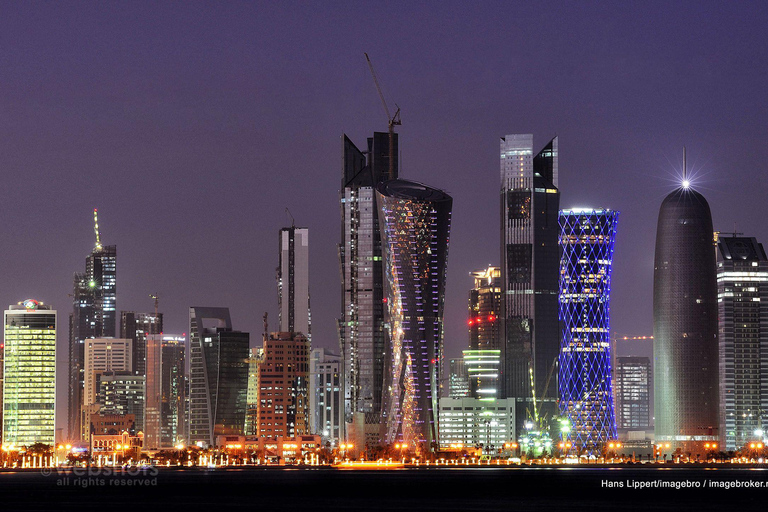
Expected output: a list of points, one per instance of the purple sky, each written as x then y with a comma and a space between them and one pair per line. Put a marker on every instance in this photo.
192, 126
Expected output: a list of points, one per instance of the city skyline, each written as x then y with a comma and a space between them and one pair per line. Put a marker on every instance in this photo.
145, 135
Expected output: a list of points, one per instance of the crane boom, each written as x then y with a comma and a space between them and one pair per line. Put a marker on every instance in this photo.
96, 228
392, 121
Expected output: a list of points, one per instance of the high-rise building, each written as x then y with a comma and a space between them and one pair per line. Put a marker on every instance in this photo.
415, 223
29, 384
584, 379
252, 396
485, 328
94, 301
122, 394
173, 407
326, 405
482, 368
293, 281
104, 355
136, 327
633, 384
362, 337
2, 369
685, 348
530, 201
458, 379
218, 381
742, 300
283, 379
153, 396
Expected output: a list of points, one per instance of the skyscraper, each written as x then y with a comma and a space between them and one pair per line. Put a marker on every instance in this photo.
136, 327
218, 370
252, 396
685, 348
415, 223
530, 201
485, 332
326, 404
29, 385
94, 301
173, 409
283, 379
103, 356
584, 379
122, 394
293, 281
458, 379
742, 301
633, 385
362, 337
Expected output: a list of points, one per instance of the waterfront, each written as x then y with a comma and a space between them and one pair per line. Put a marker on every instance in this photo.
288, 488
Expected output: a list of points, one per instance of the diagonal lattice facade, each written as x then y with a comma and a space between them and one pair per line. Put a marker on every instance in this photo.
584, 378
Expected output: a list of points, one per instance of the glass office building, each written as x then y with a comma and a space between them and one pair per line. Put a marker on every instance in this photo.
29, 385
742, 302
530, 201
584, 378
415, 223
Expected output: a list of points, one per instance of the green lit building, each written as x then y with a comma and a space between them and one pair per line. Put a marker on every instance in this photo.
29, 385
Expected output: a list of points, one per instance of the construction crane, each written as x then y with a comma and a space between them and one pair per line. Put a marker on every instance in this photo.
391, 120
96, 228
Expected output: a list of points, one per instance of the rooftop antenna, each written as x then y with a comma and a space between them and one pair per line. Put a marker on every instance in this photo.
686, 183
96, 228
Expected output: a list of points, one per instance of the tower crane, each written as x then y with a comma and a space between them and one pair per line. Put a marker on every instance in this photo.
391, 120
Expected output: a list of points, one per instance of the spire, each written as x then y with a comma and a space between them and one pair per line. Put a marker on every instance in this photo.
96, 228
686, 183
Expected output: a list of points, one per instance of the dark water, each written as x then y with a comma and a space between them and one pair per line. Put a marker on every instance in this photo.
481, 489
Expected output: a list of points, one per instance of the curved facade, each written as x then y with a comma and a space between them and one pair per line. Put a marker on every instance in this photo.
685, 348
415, 224
584, 378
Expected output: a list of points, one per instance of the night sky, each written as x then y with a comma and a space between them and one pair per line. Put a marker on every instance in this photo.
192, 126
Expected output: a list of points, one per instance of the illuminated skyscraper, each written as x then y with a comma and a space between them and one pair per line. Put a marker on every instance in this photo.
293, 281
94, 316
485, 332
283, 378
584, 379
29, 385
362, 337
742, 301
326, 406
685, 347
218, 380
530, 201
633, 385
136, 327
458, 379
415, 225
164, 412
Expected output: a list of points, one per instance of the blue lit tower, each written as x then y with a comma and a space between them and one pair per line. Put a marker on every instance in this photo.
584, 378
685, 347
415, 222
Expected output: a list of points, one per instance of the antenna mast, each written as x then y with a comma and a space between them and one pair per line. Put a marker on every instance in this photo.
96, 228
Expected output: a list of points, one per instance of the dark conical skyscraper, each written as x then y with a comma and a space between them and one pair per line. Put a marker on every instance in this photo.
685, 324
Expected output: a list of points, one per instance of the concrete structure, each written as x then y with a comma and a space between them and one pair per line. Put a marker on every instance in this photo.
293, 281
685, 348
29, 383
742, 302
174, 404
94, 301
362, 336
415, 222
218, 382
471, 423
326, 402
283, 378
530, 201
104, 355
121, 395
